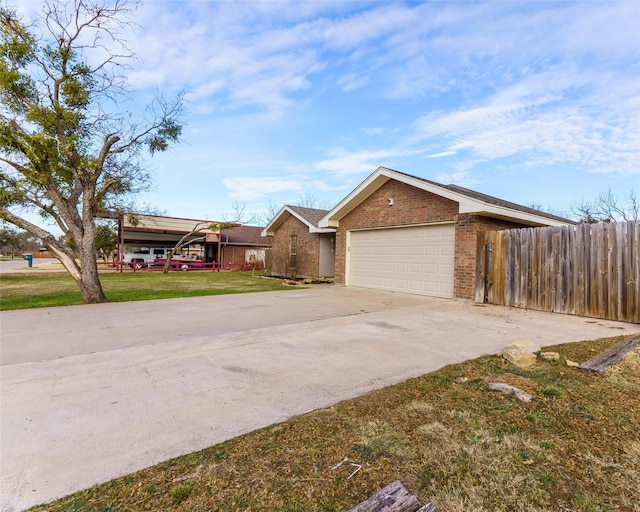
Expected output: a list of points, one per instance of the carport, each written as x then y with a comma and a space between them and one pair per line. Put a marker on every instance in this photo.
136, 231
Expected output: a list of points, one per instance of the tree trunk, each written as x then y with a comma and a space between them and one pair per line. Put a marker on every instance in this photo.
84, 274
167, 263
89, 283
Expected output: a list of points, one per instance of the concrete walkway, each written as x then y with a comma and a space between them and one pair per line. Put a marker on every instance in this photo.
90, 393
20, 266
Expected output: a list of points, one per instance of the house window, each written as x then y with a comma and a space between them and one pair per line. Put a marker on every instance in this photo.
293, 250
293, 245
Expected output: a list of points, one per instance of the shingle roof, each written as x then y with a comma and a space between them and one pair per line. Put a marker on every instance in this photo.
489, 199
469, 201
501, 202
245, 235
311, 215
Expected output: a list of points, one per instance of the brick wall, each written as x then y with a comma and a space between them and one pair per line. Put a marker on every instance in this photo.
234, 254
466, 250
308, 250
411, 206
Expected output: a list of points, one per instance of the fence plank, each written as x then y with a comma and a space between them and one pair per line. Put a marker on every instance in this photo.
633, 279
580, 263
481, 267
588, 269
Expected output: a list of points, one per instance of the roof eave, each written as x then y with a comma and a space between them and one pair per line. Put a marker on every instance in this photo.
466, 204
280, 217
501, 212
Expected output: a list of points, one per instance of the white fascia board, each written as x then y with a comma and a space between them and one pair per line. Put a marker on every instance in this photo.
274, 223
321, 230
470, 205
502, 212
374, 182
466, 204
359, 194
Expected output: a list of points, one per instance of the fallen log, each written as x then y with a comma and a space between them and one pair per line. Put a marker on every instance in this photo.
612, 356
520, 394
393, 498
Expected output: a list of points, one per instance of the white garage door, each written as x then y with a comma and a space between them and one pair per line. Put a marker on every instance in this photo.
416, 259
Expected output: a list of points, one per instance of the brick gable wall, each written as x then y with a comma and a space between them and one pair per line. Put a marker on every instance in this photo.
308, 249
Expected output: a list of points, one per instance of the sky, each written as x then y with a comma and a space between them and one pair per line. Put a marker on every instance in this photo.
533, 102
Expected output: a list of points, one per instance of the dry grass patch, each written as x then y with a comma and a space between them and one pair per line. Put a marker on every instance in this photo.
446, 436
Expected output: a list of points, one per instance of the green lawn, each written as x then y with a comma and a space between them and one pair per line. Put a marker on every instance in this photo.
446, 436
20, 291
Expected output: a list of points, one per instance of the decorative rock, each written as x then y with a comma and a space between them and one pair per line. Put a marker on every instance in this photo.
550, 356
526, 346
571, 363
519, 357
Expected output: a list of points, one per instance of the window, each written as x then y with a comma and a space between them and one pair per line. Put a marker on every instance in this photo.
293, 245
293, 254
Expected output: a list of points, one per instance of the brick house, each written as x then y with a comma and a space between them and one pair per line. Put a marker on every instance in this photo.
403, 233
300, 248
243, 244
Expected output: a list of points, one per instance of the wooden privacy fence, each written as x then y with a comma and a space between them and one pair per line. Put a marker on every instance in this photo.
585, 269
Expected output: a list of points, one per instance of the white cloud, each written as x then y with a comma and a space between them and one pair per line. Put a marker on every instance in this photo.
546, 119
441, 154
462, 178
346, 163
251, 188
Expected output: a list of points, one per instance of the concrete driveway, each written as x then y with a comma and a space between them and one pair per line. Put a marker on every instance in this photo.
90, 393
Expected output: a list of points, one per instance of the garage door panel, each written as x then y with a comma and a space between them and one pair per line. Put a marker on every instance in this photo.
415, 268
418, 259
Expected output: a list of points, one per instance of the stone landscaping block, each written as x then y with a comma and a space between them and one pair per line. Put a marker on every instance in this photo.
519, 357
525, 345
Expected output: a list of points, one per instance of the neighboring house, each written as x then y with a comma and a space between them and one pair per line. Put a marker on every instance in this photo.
243, 244
403, 233
299, 247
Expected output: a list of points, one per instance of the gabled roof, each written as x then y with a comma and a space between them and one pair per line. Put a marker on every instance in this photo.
308, 216
244, 235
469, 201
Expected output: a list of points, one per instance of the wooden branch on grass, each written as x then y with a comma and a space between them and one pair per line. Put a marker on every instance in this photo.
393, 498
612, 356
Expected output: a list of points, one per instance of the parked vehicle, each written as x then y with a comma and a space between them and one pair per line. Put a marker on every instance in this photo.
146, 257
187, 262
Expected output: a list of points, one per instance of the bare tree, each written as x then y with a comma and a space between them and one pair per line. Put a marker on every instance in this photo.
308, 200
547, 209
608, 207
238, 214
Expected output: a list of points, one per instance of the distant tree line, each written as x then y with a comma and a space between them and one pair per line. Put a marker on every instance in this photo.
14, 243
